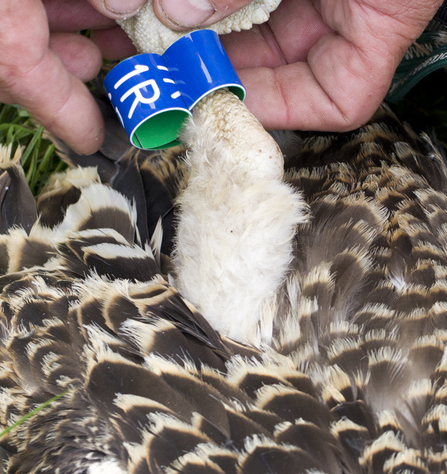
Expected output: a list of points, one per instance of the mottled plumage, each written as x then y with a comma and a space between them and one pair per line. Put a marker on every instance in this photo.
351, 377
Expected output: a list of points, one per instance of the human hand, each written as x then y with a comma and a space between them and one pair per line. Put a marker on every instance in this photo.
43, 63
310, 67
316, 64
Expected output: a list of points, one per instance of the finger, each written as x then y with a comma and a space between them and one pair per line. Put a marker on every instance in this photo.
253, 48
34, 77
346, 74
293, 97
5, 98
61, 103
113, 43
295, 27
361, 22
184, 14
79, 55
337, 88
74, 15
289, 35
117, 8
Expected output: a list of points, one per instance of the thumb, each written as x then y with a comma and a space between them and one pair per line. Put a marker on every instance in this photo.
117, 9
185, 14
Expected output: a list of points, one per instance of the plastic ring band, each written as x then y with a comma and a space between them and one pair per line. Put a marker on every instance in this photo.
199, 64
147, 101
153, 95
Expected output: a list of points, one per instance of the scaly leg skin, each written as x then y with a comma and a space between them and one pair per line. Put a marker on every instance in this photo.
150, 36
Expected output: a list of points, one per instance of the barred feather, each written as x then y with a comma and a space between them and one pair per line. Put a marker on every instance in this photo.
353, 377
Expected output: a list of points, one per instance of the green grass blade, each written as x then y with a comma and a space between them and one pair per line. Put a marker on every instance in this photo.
33, 412
32, 144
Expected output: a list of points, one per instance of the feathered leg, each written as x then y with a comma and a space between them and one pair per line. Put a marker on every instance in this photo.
237, 220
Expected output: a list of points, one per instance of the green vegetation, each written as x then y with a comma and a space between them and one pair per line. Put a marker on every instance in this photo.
39, 159
33, 412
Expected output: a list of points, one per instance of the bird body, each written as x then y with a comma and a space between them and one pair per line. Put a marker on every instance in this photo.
340, 366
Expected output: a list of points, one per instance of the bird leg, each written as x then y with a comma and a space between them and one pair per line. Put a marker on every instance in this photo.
237, 219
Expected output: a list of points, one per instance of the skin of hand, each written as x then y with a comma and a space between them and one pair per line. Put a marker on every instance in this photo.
43, 62
316, 65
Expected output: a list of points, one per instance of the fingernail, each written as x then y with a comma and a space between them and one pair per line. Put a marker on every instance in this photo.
123, 6
187, 12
